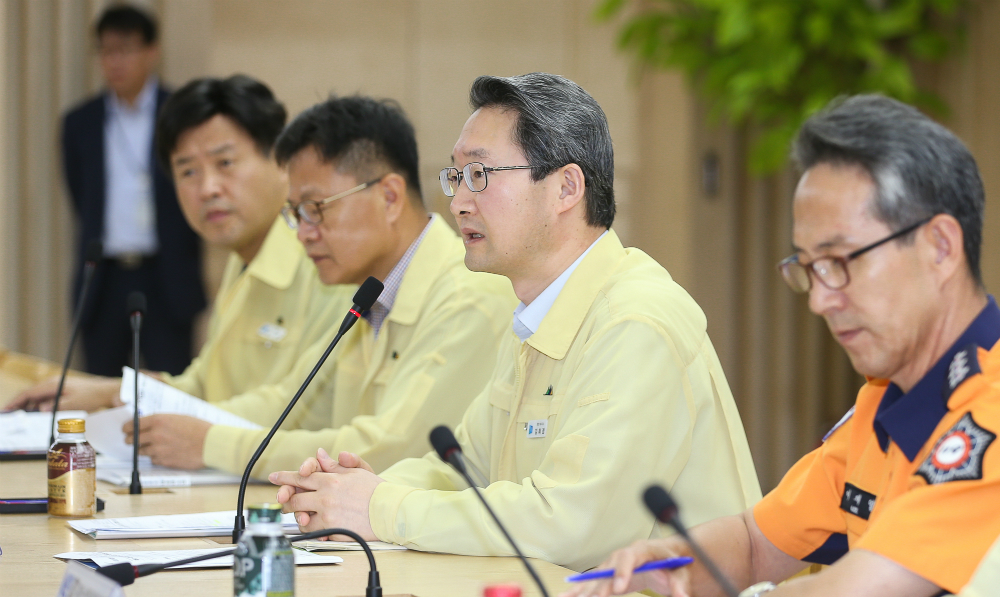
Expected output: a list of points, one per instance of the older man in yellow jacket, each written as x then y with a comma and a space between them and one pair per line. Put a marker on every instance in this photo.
607, 381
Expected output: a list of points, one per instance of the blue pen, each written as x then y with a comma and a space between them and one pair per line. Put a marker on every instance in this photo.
669, 564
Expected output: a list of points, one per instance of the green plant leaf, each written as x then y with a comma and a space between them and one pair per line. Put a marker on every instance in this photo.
735, 24
770, 64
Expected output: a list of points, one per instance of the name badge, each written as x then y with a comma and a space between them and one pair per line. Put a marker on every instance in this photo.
537, 428
272, 332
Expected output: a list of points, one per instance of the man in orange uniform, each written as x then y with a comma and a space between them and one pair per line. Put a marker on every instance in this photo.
903, 497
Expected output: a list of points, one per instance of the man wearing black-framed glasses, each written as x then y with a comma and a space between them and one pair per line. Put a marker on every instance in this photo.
901, 497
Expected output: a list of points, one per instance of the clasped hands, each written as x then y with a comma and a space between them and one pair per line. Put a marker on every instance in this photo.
326, 493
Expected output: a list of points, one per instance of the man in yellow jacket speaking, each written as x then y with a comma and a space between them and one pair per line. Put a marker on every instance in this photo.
606, 382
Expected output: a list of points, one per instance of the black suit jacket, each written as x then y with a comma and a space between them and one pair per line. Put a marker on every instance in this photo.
179, 265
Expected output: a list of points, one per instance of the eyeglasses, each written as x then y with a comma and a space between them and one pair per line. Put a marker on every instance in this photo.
474, 174
831, 271
312, 211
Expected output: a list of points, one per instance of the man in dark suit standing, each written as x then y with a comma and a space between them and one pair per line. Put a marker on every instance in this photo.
124, 200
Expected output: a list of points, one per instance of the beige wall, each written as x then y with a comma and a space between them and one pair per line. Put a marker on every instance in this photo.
423, 54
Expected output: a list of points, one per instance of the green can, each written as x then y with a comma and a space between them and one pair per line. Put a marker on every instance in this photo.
263, 565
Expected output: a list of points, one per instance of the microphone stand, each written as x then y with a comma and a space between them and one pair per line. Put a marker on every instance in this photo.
447, 447
664, 508
125, 574
365, 297
137, 306
89, 266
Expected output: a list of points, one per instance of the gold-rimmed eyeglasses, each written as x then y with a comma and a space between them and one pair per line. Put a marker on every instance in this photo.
832, 271
312, 211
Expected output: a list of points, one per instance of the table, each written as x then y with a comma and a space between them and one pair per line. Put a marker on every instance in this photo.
29, 541
27, 568
18, 372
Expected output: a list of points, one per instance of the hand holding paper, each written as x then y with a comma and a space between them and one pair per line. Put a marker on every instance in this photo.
174, 424
176, 441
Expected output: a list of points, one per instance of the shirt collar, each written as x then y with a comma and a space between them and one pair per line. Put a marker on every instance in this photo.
910, 418
275, 263
380, 310
144, 102
527, 318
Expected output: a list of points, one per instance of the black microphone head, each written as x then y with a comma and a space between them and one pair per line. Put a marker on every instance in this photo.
136, 302
659, 502
444, 442
366, 296
123, 573
94, 251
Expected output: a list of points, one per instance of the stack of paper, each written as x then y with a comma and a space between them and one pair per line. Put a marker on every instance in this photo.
22, 431
107, 558
207, 524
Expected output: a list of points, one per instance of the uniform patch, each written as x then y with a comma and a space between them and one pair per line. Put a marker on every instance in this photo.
842, 420
963, 365
958, 455
857, 501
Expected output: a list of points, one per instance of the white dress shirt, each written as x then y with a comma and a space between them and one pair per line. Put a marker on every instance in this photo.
527, 318
129, 206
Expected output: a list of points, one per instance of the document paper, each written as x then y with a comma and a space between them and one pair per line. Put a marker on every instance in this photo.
207, 524
119, 472
107, 558
22, 431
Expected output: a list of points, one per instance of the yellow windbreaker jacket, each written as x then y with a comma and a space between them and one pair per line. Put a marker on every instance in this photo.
264, 318
624, 377
382, 396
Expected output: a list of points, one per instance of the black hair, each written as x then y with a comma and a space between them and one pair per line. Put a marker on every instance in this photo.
364, 136
125, 18
558, 123
246, 101
919, 168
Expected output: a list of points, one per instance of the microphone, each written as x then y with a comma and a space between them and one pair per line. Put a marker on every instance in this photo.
91, 256
136, 304
364, 298
447, 448
125, 574
664, 508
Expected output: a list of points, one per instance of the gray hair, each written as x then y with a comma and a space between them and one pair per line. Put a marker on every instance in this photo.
919, 168
558, 123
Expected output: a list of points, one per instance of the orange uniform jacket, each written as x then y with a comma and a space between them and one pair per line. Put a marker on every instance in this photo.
914, 477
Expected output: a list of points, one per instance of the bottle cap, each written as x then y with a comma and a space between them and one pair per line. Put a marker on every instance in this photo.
71, 425
264, 513
502, 591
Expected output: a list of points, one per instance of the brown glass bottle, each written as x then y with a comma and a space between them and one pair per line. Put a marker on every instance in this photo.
72, 472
